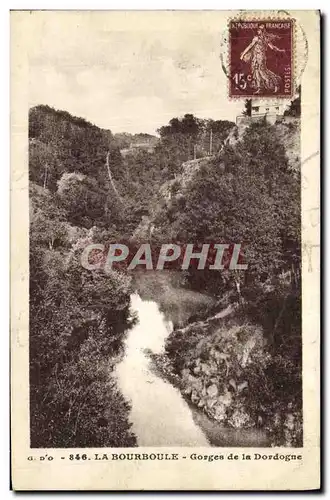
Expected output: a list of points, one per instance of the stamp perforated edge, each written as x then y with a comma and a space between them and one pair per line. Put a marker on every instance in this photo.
296, 72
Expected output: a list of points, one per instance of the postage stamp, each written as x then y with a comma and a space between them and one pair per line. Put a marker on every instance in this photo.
261, 58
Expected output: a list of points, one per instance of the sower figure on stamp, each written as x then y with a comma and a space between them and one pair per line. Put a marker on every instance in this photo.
256, 54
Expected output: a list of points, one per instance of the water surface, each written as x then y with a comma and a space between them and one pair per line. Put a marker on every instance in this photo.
159, 414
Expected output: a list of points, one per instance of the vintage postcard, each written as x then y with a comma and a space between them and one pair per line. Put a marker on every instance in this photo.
165, 220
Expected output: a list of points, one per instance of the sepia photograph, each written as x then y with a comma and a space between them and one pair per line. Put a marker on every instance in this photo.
195, 357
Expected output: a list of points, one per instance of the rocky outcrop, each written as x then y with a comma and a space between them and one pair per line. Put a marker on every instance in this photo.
182, 181
215, 375
144, 230
287, 129
190, 168
223, 366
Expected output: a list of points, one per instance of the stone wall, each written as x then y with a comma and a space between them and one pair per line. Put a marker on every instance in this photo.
246, 120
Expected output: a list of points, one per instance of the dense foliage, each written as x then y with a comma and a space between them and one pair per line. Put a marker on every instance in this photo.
76, 320
244, 192
77, 317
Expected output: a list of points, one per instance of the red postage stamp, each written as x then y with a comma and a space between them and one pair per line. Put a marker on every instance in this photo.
261, 58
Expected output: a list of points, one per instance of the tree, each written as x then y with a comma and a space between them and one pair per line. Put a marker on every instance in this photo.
186, 135
247, 107
83, 199
44, 164
295, 106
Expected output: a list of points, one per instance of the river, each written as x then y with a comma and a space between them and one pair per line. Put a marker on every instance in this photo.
159, 414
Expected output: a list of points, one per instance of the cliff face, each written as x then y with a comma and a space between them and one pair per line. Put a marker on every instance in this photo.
182, 180
288, 131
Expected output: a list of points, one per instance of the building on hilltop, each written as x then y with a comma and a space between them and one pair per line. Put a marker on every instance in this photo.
135, 147
261, 107
270, 110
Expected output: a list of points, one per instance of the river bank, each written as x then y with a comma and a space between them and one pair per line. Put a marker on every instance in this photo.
147, 380
199, 372
217, 434
159, 414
